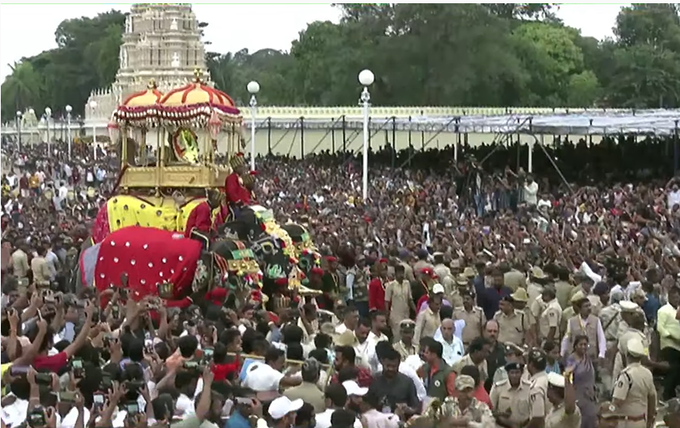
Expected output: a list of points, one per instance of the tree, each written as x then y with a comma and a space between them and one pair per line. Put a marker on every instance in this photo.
20, 90
656, 25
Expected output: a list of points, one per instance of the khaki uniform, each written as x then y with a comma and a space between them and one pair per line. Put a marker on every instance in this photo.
534, 291
405, 351
551, 317
538, 395
408, 272
20, 265
563, 291
595, 304
467, 361
632, 389
512, 328
399, 296
514, 279
477, 412
427, 323
557, 418
619, 361
474, 323
537, 306
512, 402
610, 317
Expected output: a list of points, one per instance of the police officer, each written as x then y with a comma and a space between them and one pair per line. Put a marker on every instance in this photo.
405, 346
510, 397
634, 394
635, 321
607, 417
561, 394
538, 388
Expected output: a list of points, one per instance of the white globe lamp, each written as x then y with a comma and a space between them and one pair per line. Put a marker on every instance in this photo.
366, 77
253, 87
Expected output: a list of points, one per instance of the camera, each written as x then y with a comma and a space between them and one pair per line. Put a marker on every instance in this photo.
115, 311
37, 418
77, 367
107, 381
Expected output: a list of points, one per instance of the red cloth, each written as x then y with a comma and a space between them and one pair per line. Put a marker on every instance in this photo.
149, 256
236, 192
376, 295
199, 219
421, 301
222, 371
53, 364
100, 228
364, 378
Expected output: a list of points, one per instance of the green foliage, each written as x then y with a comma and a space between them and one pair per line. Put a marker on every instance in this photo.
421, 54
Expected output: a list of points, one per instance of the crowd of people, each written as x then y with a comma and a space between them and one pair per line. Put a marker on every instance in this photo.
465, 293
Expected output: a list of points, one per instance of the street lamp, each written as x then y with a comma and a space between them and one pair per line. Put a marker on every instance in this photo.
68, 128
48, 114
93, 106
19, 115
366, 79
253, 88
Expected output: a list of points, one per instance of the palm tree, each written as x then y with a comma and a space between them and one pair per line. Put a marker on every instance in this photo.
22, 87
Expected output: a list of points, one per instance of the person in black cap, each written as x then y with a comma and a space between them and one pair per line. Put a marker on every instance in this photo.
538, 389
510, 397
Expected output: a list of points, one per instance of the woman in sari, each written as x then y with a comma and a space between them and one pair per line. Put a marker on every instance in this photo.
584, 381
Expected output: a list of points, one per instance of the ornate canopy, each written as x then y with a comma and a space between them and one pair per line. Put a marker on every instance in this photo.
140, 106
195, 103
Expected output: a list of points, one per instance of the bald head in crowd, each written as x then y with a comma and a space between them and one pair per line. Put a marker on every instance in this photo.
448, 328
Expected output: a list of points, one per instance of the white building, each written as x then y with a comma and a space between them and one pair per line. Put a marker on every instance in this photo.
160, 42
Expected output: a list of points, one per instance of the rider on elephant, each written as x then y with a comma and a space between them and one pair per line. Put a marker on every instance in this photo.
249, 184
237, 195
200, 221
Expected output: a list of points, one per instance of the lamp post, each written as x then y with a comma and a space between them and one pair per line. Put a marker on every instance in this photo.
19, 115
93, 106
48, 114
68, 128
366, 79
253, 88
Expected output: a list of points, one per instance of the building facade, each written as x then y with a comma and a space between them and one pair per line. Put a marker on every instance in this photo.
160, 42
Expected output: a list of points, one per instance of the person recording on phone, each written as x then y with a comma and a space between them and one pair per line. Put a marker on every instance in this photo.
54, 363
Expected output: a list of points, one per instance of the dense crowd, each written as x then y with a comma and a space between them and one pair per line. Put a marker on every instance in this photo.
469, 293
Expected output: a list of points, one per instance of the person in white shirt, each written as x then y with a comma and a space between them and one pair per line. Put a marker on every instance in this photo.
668, 328
673, 193
185, 383
350, 319
530, 191
336, 398
453, 346
267, 376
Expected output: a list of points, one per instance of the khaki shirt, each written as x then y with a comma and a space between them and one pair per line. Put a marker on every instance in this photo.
511, 402
20, 266
467, 361
534, 291
309, 393
512, 328
538, 395
634, 386
406, 351
474, 322
399, 296
408, 272
595, 304
41, 272
558, 418
514, 279
551, 317
427, 323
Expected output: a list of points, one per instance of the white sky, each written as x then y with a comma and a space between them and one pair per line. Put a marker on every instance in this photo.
28, 29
